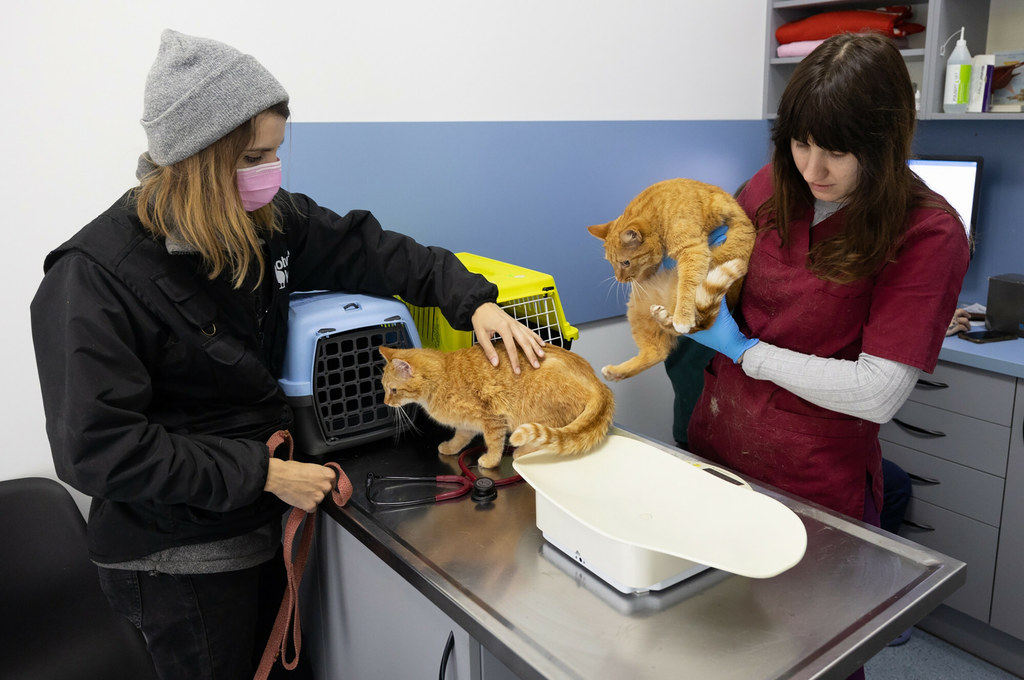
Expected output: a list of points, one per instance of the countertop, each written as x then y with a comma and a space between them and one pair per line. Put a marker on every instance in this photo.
544, 616
1006, 357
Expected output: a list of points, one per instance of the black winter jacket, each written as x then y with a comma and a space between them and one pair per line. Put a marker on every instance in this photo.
159, 385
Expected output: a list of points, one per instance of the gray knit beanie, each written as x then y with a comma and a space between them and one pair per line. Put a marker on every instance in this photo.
198, 91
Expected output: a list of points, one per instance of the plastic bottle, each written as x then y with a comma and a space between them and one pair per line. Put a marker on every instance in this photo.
958, 78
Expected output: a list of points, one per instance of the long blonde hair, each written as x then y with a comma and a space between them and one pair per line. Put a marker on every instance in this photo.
196, 201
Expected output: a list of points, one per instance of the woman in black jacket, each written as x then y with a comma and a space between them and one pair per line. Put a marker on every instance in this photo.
159, 331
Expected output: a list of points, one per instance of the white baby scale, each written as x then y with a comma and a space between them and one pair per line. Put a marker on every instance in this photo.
641, 518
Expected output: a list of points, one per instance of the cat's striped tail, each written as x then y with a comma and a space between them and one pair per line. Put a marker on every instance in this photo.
713, 288
581, 435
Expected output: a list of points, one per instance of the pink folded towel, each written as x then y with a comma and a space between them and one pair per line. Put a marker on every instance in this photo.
800, 48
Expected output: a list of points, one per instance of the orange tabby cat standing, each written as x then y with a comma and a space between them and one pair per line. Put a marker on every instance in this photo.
561, 407
674, 218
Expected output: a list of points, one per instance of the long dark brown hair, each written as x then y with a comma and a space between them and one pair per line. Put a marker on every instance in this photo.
850, 95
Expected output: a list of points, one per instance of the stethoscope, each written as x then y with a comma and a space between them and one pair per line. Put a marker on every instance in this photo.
480, 489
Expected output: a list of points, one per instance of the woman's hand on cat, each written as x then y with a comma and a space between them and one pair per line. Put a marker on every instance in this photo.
489, 319
724, 336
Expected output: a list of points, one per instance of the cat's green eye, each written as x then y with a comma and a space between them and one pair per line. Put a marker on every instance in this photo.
624, 263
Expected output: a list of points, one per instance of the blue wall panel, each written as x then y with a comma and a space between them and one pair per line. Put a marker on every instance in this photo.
524, 192
517, 192
999, 242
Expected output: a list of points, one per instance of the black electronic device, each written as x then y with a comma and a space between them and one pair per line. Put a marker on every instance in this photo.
1004, 308
982, 337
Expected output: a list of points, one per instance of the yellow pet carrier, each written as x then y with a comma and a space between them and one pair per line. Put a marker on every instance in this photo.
527, 295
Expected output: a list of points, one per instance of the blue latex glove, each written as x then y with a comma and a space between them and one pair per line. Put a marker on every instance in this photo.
717, 236
724, 336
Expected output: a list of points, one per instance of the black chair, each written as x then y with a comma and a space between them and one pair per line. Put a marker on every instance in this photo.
54, 619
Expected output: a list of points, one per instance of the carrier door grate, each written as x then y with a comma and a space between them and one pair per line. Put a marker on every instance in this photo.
347, 394
538, 313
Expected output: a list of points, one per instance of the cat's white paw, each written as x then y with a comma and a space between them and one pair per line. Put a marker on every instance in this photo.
523, 434
661, 316
490, 459
527, 450
610, 373
449, 448
682, 328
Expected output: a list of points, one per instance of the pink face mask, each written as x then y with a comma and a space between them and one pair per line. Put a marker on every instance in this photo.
259, 184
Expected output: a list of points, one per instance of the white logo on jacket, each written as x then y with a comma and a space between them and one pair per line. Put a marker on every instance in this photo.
281, 270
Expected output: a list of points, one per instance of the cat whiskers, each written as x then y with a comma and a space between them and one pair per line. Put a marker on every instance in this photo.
404, 422
634, 283
619, 288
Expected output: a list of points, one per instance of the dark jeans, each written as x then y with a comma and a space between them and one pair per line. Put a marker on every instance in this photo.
898, 490
203, 626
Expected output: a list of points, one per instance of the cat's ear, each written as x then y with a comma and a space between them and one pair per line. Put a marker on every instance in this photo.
631, 237
403, 368
600, 230
386, 352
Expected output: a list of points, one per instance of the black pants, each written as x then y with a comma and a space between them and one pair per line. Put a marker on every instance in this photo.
898, 491
203, 626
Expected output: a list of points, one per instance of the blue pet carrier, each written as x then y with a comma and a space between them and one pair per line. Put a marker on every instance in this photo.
331, 375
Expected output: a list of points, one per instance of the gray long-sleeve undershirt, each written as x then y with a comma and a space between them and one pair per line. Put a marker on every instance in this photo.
871, 388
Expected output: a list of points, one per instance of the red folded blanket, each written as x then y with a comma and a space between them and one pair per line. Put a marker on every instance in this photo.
891, 21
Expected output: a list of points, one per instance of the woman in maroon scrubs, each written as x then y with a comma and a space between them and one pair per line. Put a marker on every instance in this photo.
853, 279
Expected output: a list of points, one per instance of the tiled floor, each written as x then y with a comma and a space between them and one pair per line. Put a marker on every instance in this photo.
926, 657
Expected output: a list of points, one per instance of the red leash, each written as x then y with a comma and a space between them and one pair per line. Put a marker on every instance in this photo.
295, 564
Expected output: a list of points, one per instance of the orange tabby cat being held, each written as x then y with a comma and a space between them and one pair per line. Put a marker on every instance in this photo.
675, 218
561, 407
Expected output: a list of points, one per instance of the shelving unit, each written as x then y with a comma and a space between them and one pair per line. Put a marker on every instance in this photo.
941, 18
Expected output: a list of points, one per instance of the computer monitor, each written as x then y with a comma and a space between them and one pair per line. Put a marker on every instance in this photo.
958, 180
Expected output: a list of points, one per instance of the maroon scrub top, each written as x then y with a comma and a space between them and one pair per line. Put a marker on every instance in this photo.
901, 313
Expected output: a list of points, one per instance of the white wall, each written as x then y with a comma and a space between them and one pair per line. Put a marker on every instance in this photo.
73, 74
643, 403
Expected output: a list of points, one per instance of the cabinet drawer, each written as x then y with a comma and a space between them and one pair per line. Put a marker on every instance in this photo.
970, 391
968, 441
960, 489
965, 539
363, 620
